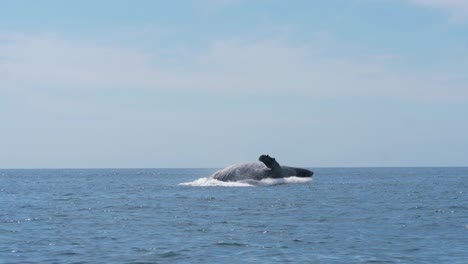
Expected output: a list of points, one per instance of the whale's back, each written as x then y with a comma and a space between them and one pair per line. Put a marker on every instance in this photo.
245, 171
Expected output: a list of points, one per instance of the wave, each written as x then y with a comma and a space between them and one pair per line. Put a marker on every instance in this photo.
208, 181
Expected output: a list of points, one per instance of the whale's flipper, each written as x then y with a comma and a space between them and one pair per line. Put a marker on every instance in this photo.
269, 162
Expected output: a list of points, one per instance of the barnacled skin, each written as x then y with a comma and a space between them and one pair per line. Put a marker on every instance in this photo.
269, 168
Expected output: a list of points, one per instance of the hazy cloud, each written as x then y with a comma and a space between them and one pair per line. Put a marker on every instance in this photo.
458, 9
226, 66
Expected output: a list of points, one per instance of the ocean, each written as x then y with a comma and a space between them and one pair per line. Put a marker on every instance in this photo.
341, 215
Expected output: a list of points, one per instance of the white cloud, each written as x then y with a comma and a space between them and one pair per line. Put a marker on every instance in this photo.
458, 9
49, 62
53, 62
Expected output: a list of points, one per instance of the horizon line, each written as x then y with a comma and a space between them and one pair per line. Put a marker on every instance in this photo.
309, 167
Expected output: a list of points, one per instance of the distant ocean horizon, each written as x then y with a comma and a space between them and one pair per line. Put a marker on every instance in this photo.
181, 215
217, 168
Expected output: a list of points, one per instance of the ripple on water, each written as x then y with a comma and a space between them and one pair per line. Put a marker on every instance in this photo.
169, 254
231, 244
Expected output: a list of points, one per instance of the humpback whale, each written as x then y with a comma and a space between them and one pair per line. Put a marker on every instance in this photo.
268, 168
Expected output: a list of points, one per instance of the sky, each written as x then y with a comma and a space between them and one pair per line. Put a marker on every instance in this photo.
208, 83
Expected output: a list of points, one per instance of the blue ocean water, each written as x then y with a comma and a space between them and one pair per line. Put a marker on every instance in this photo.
344, 215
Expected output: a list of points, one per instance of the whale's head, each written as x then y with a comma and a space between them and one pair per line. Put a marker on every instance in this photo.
297, 172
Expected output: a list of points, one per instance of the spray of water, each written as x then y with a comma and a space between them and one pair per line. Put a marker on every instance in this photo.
208, 181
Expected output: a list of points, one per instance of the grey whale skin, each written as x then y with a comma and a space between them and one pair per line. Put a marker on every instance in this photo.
269, 168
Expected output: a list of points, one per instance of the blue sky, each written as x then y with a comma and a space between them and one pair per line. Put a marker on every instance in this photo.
208, 83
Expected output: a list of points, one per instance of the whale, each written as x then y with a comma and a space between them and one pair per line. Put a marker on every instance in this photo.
268, 167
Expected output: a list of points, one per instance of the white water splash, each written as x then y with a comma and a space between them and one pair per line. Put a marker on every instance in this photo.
208, 181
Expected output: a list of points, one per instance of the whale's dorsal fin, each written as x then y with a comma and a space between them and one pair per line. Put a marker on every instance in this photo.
269, 162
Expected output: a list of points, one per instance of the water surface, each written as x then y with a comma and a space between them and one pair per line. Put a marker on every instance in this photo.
344, 215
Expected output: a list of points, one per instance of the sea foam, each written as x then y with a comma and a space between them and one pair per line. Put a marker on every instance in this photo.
208, 181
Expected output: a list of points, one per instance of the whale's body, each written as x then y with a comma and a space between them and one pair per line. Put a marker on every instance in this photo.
258, 171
